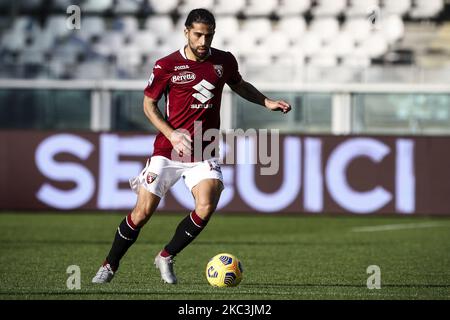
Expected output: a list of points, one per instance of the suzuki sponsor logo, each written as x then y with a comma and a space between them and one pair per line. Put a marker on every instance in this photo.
183, 77
204, 94
201, 106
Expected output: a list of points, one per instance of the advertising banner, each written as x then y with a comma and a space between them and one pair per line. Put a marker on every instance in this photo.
313, 174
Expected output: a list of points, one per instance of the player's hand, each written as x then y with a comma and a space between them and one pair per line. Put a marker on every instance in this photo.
278, 105
181, 142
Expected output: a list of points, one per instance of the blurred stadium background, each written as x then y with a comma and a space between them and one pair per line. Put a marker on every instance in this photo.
285, 46
379, 70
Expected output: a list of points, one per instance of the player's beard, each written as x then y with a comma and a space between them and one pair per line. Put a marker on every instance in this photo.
198, 54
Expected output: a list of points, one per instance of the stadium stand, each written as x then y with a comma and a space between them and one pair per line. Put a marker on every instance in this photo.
122, 38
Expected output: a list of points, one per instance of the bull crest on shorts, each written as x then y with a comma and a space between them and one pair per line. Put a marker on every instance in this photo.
218, 68
151, 177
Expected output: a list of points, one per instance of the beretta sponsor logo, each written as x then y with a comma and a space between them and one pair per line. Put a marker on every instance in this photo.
183, 77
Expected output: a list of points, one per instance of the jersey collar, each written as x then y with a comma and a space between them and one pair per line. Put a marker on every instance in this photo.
183, 54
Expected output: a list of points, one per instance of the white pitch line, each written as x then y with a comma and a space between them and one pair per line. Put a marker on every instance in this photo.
389, 227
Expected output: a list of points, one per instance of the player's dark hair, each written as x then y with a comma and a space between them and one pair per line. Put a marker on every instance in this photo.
200, 16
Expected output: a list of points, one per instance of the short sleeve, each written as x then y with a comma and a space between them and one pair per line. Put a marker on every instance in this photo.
157, 83
234, 76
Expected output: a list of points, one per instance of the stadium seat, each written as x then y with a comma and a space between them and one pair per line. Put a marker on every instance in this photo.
126, 24
398, 7
329, 7
259, 38
308, 45
61, 5
160, 51
129, 56
31, 56
324, 28
375, 45
426, 9
93, 25
392, 28
275, 43
356, 61
292, 7
176, 40
127, 6
257, 61
161, 25
293, 27
220, 42
242, 45
4, 24
91, 69
259, 27
163, 7
323, 61
68, 52
25, 24
57, 69
42, 41
187, 5
13, 41
360, 8
227, 7
143, 40
260, 7
56, 25
109, 42
29, 4
290, 60
358, 28
96, 6
341, 45
227, 26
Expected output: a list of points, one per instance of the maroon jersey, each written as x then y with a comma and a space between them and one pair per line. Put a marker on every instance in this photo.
192, 90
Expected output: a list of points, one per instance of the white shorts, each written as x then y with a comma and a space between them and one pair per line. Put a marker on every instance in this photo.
160, 174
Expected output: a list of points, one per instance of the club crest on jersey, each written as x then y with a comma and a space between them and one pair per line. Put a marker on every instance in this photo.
218, 68
151, 177
213, 165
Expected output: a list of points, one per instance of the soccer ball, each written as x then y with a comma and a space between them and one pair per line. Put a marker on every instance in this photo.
224, 270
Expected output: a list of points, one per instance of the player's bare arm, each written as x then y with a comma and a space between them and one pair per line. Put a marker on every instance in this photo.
247, 91
180, 141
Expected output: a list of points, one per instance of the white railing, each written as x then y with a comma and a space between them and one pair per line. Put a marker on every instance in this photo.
341, 96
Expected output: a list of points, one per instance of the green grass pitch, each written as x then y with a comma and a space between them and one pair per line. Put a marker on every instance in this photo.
301, 257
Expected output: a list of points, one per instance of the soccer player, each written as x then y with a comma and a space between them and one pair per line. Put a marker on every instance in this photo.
192, 80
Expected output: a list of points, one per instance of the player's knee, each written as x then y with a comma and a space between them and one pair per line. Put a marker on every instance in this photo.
205, 209
140, 216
